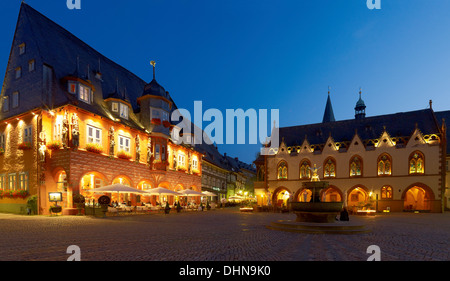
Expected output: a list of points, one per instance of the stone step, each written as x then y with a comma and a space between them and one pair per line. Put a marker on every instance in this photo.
320, 228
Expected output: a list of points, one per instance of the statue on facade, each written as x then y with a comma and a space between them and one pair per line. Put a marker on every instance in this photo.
174, 160
75, 131
315, 176
42, 151
112, 143
138, 148
65, 130
190, 163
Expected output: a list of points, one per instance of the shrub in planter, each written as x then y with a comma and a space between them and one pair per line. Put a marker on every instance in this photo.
79, 200
54, 145
55, 209
167, 208
124, 155
32, 205
25, 146
94, 147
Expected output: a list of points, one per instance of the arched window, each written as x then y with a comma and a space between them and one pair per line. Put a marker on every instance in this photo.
355, 166
329, 170
384, 165
416, 163
305, 169
386, 192
282, 170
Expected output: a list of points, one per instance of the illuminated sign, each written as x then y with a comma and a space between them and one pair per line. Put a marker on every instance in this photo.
55, 196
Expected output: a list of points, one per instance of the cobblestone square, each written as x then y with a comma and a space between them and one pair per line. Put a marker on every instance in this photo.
218, 235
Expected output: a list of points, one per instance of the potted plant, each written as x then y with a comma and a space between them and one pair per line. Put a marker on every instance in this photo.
25, 146
104, 202
79, 200
166, 123
167, 208
54, 145
2, 151
32, 205
55, 209
178, 207
124, 155
94, 147
156, 121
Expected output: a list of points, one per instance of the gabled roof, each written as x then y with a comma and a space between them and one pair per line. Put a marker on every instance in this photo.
397, 125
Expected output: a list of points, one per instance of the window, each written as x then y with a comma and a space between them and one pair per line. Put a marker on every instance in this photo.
28, 134
305, 169
22, 48
181, 160
329, 170
163, 153
115, 107
124, 144
23, 180
416, 163
164, 115
157, 152
12, 178
5, 103
31, 65
3, 181
386, 192
124, 111
282, 170
2, 141
355, 167
195, 164
155, 113
94, 135
72, 87
15, 100
85, 94
384, 165
18, 72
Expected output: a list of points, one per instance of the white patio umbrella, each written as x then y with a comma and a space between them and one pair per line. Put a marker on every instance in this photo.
208, 193
119, 188
190, 192
161, 191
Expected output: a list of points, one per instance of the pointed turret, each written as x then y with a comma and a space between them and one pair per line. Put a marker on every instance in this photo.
360, 108
328, 115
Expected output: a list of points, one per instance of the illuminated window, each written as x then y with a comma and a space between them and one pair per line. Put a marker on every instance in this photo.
282, 171
94, 135
72, 87
115, 107
12, 181
329, 170
305, 169
386, 192
124, 144
23, 180
157, 152
195, 164
416, 163
28, 134
181, 160
85, 94
355, 167
2, 181
384, 165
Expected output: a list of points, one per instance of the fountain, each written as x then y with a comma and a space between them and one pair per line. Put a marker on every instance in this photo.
316, 216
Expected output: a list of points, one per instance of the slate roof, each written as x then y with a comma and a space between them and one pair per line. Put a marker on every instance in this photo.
444, 115
397, 125
328, 115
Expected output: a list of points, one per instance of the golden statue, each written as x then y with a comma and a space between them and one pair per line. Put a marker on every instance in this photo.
315, 176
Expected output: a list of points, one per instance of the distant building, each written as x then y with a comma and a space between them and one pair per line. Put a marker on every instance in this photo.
390, 162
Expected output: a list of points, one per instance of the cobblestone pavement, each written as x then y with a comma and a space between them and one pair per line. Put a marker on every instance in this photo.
218, 235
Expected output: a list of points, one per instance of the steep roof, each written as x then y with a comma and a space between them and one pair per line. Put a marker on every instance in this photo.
446, 116
328, 115
397, 125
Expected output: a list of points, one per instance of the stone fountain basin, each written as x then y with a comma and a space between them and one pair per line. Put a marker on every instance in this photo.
318, 212
316, 206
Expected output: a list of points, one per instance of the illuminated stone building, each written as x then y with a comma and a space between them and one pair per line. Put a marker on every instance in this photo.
390, 162
72, 120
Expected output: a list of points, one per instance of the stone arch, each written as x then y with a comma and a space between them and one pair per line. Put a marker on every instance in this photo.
357, 195
332, 194
279, 196
417, 197
123, 179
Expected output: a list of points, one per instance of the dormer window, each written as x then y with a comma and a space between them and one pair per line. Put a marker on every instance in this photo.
115, 107
124, 111
22, 49
83, 91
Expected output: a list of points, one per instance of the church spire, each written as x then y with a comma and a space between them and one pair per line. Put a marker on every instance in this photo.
328, 115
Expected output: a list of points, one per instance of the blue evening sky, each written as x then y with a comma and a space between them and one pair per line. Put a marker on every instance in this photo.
269, 54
